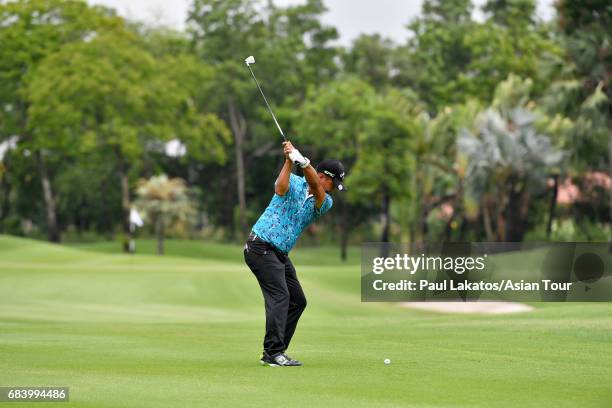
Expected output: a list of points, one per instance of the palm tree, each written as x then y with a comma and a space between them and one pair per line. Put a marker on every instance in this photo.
165, 203
507, 160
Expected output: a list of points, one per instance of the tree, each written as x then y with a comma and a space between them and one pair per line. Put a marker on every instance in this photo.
438, 51
391, 148
6, 152
88, 197
332, 122
519, 14
166, 203
505, 161
31, 30
583, 92
451, 59
371, 59
290, 40
109, 94
385, 153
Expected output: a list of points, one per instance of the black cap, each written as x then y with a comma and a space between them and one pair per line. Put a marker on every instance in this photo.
333, 169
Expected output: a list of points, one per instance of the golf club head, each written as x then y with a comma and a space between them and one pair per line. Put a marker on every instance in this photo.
250, 60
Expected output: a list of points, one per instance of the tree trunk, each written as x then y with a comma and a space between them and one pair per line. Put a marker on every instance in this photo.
423, 229
422, 212
386, 217
238, 125
486, 216
553, 205
500, 225
344, 237
125, 202
52, 228
159, 233
610, 175
514, 219
228, 196
344, 230
5, 189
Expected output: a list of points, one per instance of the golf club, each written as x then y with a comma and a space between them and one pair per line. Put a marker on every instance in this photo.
251, 60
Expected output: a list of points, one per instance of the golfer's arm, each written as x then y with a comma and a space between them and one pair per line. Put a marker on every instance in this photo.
282, 182
313, 181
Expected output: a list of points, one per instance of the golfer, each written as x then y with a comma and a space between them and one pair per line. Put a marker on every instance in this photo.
297, 202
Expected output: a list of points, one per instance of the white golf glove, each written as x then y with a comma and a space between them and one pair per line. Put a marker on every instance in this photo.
298, 159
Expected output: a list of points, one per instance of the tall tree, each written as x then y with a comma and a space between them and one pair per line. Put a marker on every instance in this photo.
31, 30
110, 95
384, 154
371, 59
290, 40
584, 92
438, 51
506, 161
451, 58
332, 121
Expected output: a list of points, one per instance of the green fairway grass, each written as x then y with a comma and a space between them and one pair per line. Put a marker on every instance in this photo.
185, 330
212, 250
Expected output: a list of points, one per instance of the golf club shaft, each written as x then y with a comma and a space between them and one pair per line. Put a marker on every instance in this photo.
267, 104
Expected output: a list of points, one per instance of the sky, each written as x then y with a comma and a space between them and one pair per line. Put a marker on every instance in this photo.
350, 17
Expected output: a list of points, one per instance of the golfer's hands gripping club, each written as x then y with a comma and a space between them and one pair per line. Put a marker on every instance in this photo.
294, 155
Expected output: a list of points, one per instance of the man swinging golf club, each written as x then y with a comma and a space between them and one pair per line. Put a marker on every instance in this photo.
297, 202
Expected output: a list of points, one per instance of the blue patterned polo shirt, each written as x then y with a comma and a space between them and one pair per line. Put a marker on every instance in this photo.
286, 216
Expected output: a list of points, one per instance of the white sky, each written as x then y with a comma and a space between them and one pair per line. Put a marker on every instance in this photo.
350, 17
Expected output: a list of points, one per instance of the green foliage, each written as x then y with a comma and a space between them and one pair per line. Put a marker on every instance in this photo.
291, 40
292, 49
333, 117
447, 11
384, 156
455, 58
160, 196
464, 113
582, 92
506, 159
507, 145
438, 51
109, 93
86, 194
98, 93
371, 58
192, 83
587, 30
31, 30
518, 14
371, 133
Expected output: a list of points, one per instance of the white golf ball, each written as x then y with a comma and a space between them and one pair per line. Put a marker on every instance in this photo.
387, 361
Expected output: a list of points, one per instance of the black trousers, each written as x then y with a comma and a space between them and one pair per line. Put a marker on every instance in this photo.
282, 292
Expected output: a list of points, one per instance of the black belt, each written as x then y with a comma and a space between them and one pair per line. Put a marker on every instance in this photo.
255, 237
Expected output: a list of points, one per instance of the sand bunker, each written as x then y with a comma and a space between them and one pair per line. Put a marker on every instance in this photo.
469, 307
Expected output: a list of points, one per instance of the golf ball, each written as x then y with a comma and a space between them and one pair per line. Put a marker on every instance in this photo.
387, 361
